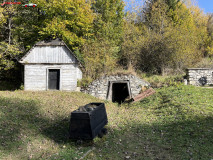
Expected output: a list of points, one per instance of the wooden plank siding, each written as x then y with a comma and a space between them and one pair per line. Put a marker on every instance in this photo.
50, 54
79, 72
36, 77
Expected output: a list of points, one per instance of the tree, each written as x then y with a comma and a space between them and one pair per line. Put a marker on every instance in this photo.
167, 33
2, 17
210, 34
10, 49
155, 54
70, 20
131, 46
101, 52
173, 4
28, 21
108, 23
99, 57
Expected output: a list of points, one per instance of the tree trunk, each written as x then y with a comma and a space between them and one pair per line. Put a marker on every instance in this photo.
163, 70
9, 28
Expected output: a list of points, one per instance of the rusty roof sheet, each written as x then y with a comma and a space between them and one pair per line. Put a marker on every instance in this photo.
144, 94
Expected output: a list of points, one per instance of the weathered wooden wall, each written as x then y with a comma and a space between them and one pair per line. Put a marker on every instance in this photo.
41, 58
36, 76
49, 54
79, 72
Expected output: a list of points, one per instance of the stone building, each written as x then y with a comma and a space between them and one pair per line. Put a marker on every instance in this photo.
50, 65
116, 87
200, 76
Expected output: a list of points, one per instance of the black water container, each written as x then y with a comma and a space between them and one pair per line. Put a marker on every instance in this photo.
88, 122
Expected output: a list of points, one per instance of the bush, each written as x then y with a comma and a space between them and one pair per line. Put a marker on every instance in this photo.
158, 81
205, 63
84, 82
9, 85
21, 87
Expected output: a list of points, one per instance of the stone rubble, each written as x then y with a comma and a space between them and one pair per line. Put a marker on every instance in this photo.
99, 87
196, 76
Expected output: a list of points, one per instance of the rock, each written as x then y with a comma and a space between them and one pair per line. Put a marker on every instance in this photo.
100, 87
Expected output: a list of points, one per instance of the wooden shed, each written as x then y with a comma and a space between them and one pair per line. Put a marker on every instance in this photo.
50, 65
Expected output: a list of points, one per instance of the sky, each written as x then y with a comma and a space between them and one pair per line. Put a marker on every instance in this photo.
206, 5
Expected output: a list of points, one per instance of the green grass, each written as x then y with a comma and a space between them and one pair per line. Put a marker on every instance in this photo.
175, 123
158, 81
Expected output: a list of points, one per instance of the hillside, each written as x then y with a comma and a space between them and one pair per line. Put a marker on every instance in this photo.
175, 123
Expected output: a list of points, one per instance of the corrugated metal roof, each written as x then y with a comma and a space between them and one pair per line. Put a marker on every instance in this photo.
50, 42
55, 42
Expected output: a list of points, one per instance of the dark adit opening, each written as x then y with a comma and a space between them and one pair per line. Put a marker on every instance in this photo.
120, 92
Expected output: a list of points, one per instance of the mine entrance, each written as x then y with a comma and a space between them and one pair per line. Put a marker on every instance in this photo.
120, 91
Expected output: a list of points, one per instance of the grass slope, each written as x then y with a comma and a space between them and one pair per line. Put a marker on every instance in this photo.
175, 123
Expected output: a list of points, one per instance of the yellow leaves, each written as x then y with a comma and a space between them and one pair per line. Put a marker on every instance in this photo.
99, 56
2, 17
175, 36
70, 19
210, 50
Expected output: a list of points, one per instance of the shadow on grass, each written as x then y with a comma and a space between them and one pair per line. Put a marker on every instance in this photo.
18, 119
9, 86
187, 139
58, 131
21, 121
174, 140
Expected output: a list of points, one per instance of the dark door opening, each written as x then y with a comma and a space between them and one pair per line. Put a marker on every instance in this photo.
54, 79
120, 92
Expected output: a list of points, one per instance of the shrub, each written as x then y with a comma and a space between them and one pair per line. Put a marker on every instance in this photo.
205, 63
84, 82
158, 81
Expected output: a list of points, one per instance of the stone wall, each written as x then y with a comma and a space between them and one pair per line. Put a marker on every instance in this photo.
99, 88
200, 76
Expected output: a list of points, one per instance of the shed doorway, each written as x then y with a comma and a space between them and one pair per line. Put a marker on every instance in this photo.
53, 79
118, 91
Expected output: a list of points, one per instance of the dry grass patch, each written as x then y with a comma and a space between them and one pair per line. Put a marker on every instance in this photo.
175, 123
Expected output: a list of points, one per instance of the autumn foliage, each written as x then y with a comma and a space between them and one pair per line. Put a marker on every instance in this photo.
157, 35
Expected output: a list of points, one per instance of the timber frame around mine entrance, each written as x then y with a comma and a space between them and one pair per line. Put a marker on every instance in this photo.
109, 91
